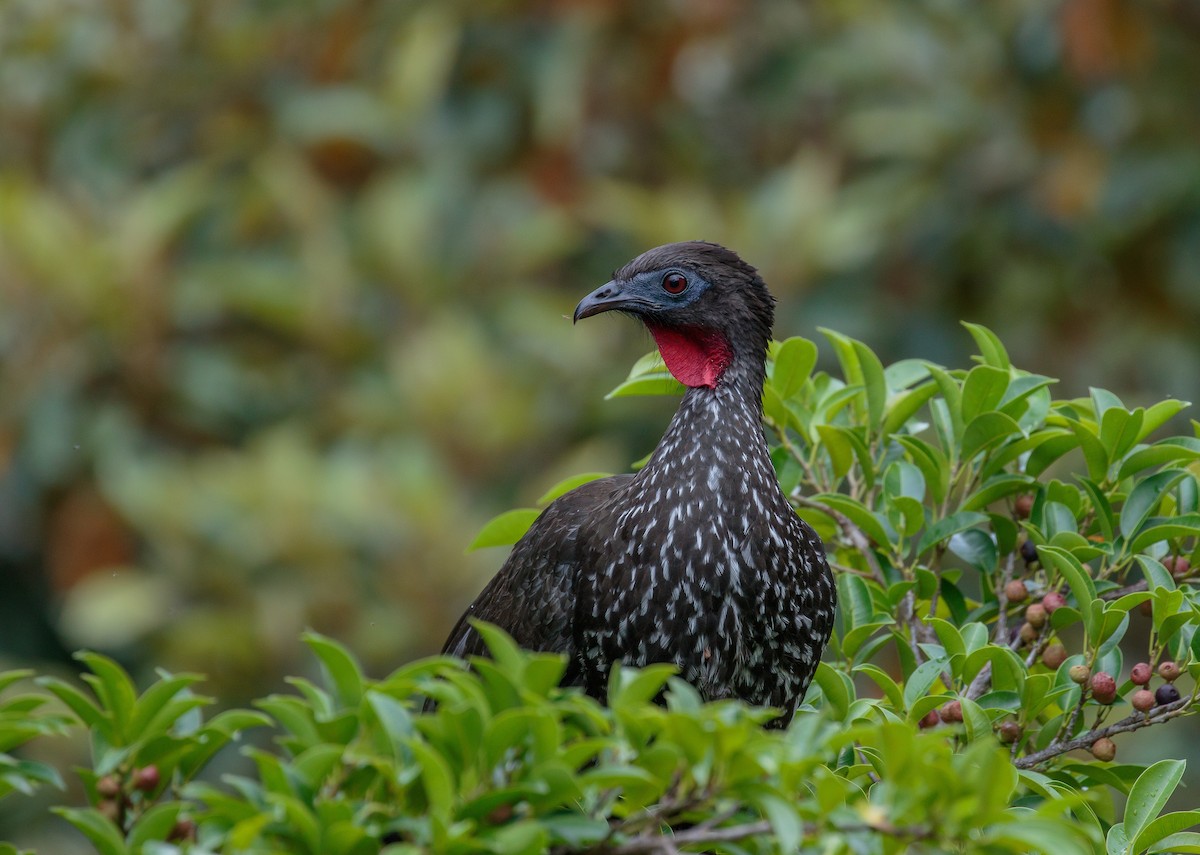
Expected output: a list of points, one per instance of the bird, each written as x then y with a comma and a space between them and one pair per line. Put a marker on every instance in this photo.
698, 559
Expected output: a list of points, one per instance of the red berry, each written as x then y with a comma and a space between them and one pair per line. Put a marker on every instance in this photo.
1140, 674
1168, 670
1146, 608
1143, 700
1166, 694
1036, 615
1053, 601
1016, 591
951, 712
1178, 567
1079, 674
930, 719
1054, 655
1104, 749
1104, 687
1023, 507
146, 778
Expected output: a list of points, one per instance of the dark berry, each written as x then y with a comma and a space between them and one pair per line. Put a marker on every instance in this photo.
1016, 591
1140, 674
1054, 655
1009, 731
1166, 694
930, 719
951, 712
1146, 608
184, 829
1029, 552
1143, 700
1104, 749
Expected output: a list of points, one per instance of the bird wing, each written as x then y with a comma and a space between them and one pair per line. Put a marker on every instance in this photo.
532, 598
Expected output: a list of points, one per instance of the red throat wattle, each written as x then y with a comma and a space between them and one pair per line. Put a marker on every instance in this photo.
695, 357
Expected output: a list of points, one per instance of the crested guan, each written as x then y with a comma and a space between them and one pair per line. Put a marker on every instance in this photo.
698, 559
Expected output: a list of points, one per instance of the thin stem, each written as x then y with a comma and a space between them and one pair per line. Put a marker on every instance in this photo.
1136, 721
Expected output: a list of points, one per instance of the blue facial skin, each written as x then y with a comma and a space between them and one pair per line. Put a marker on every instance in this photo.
643, 295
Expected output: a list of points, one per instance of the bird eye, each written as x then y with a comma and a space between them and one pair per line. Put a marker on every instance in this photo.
674, 283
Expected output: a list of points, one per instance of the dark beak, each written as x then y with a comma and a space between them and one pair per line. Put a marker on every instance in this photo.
604, 299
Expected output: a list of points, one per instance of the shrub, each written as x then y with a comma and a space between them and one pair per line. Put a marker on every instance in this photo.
935, 490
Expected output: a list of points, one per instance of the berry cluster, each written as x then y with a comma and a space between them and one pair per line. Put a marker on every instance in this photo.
119, 794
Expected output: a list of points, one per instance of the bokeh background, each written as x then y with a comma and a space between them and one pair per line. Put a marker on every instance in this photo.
285, 286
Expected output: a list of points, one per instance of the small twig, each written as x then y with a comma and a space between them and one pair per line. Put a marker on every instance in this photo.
1133, 722
1117, 593
659, 844
669, 845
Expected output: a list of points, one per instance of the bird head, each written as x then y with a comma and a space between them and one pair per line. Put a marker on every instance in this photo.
708, 310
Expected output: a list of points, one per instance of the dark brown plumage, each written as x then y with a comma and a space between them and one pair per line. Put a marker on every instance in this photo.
698, 559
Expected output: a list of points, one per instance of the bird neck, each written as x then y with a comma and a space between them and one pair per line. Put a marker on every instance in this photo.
715, 430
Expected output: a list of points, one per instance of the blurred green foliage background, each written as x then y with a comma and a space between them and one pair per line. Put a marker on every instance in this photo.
285, 286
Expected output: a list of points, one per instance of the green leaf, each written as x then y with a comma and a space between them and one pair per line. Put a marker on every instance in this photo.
1080, 583
98, 829
945, 527
84, 707
1156, 574
990, 348
997, 488
977, 548
344, 672
794, 362
785, 821
1119, 430
1149, 796
111, 684
835, 441
651, 384
1093, 450
155, 824
876, 385
982, 390
918, 682
1160, 414
985, 431
931, 462
902, 407
505, 529
857, 513
1170, 450
1184, 843
1145, 498
952, 400
1185, 525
